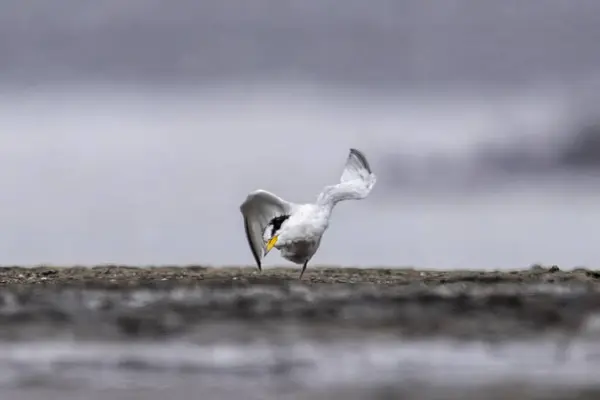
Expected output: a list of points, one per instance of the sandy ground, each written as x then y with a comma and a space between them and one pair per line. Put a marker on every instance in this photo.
466, 304
168, 276
204, 305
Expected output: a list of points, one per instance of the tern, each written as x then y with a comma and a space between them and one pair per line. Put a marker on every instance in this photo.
296, 229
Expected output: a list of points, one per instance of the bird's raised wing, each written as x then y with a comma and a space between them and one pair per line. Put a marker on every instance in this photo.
357, 167
356, 181
259, 208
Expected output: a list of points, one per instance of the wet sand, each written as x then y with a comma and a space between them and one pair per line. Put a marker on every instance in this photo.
468, 304
358, 309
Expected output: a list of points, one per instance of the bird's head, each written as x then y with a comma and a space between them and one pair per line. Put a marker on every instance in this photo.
272, 232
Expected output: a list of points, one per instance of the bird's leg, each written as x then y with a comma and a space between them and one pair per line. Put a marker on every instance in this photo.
303, 268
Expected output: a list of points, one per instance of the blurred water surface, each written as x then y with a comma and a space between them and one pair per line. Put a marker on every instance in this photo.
347, 369
144, 176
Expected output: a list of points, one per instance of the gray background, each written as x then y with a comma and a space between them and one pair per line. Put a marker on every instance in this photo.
130, 132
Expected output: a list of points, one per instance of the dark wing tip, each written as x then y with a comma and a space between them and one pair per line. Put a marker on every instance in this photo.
361, 157
256, 257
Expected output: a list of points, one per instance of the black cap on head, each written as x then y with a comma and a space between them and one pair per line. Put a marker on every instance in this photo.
276, 223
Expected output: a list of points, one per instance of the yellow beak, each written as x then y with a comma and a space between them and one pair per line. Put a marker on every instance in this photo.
271, 243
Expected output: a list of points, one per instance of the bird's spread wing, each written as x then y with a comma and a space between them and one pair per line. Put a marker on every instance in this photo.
356, 181
258, 209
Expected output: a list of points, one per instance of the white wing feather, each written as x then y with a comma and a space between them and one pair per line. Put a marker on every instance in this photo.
258, 209
356, 181
357, 167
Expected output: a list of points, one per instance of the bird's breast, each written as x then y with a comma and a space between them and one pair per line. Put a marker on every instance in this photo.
299, 251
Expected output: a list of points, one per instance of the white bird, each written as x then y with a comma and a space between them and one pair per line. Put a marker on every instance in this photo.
296, 229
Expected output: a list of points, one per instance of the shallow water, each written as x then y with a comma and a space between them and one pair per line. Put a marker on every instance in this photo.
306, 368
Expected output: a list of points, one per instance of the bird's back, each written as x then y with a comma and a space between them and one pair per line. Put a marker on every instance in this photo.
308, 222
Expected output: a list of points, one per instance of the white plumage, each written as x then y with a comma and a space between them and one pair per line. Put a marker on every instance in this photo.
296, 229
